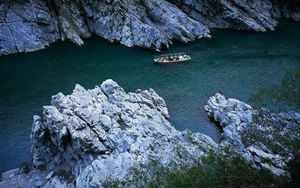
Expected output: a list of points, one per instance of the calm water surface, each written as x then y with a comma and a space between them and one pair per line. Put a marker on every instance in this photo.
235, 63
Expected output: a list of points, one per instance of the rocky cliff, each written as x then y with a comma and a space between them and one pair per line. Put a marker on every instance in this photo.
29, 25
92, 136
267, 140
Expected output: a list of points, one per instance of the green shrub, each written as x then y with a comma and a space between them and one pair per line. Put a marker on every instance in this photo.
25, 167
217, 171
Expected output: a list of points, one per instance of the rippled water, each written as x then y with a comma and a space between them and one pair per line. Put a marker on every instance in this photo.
235, 63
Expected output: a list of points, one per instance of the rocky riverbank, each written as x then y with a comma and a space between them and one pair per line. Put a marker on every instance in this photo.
29, 25
93, 136
265, 139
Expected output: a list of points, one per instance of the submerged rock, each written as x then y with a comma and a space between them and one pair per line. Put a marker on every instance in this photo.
28, 25
90, 136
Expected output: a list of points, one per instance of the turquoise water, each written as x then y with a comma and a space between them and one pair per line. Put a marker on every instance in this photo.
235, 63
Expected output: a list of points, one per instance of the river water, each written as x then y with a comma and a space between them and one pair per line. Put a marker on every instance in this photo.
235, 63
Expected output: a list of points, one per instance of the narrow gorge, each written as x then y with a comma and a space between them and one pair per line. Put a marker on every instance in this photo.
222, 108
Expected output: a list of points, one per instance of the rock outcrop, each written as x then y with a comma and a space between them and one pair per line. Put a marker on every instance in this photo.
265, 139
90, 136
28, 25
93, 136
232, 115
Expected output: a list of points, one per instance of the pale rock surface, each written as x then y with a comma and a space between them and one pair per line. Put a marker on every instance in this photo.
236, 118
29, 25
90, 136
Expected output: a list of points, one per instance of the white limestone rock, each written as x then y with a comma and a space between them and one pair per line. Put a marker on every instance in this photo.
236, 119
29, 25
232, 114
90, 136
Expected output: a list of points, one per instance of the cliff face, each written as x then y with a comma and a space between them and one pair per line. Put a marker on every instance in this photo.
92, 136
267, 140
28, 25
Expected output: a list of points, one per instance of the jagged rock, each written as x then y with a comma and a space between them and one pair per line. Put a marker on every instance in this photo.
248, 130
90, 136
232, 114
237, 14
28, 25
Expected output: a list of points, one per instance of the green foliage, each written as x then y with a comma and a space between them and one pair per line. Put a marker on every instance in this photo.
215, 171
294, 169
225, 167
279, 143
25, 167
111, 184
288, 91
